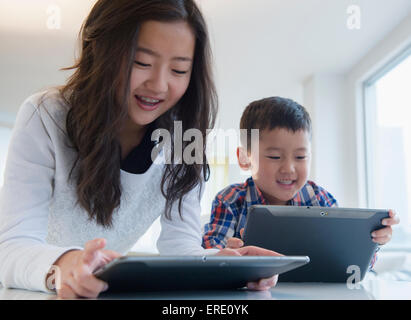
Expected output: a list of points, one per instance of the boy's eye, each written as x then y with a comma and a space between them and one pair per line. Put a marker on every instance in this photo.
141, 64
273, 157
301, 157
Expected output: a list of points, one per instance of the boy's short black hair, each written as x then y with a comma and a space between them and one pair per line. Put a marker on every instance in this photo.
274, 112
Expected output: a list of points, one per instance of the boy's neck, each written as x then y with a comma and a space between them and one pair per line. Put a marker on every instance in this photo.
275, 202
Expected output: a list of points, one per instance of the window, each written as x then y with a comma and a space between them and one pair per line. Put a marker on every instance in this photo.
217, 181
5, 135
387, 113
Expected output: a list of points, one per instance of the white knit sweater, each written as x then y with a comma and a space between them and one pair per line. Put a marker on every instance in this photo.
39, 218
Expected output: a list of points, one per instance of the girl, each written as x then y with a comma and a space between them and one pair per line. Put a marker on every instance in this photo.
79, 164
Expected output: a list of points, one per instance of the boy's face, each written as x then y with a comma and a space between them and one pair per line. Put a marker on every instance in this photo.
284, 159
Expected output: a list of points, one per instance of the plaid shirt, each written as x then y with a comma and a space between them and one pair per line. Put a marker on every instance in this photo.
230, 207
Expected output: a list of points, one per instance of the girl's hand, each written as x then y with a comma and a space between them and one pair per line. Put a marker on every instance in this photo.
76, 269
384, 235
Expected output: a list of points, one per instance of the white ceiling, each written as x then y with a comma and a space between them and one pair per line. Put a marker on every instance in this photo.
284, 40
299, 37
294, 37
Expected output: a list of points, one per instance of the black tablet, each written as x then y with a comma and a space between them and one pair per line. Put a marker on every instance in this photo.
158, 273
337, 240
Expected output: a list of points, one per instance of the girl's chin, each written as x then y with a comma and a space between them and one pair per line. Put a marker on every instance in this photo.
141, 118
139, 122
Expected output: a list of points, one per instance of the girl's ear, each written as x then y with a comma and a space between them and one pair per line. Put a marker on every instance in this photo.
243, 159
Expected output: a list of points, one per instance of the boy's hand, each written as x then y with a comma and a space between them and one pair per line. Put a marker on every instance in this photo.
235, 243
384, 235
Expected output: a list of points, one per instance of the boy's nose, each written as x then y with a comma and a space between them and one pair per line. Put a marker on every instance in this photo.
287, 166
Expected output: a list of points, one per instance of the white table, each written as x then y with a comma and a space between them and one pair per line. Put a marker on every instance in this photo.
370, 288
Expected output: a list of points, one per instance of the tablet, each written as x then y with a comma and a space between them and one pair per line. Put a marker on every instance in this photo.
158, 273
337, 240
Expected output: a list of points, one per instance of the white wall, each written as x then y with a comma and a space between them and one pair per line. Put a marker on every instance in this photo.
324, 98
264, 49
252, 61
30, 62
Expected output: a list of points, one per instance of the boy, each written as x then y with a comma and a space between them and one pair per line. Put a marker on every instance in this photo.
279, 172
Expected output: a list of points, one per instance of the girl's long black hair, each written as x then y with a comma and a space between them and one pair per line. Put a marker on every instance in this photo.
97, 112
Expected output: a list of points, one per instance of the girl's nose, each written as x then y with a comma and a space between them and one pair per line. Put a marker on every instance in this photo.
157, 83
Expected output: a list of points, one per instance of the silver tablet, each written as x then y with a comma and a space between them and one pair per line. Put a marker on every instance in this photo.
156, 273
337, 240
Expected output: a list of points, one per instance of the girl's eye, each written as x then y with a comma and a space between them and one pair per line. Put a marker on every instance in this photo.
179, 72
141, 64
301, 157
274, 158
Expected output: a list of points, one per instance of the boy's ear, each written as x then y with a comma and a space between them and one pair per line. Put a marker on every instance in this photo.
243, 159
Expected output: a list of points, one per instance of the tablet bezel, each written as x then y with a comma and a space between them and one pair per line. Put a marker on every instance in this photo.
158, 273
282, 229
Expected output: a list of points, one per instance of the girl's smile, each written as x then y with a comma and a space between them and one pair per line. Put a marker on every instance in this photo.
148, 103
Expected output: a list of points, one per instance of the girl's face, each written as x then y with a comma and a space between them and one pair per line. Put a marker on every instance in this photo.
161, 71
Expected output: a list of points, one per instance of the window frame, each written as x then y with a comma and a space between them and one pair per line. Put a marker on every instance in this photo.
367, 84
368, 115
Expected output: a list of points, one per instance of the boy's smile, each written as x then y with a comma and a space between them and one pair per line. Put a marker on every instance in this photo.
283, 164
